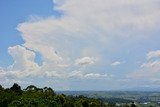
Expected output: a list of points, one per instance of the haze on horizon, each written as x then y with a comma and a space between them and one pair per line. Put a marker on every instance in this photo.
80, 44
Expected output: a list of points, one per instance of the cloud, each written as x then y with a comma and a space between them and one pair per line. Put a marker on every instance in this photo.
85, 61
24, 64
76, 74
84, 75
153, 54
24, 59
152, 64
62, 42
149, 69
82, 25
7, 77
96, 75
148, 73
116, 63
109, 15
54, 74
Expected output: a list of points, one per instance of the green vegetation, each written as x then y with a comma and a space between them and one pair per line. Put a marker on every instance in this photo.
42, 97
121, 98
33, 96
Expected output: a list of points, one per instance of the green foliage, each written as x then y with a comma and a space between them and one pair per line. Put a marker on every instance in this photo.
133, 105
42, 97
126, 105
1, 88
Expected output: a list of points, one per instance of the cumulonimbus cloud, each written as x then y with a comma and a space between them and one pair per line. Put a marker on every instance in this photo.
60, 41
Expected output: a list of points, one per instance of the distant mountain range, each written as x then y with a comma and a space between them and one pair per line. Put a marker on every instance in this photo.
151, 89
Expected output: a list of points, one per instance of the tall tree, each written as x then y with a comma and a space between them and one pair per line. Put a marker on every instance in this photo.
16, 88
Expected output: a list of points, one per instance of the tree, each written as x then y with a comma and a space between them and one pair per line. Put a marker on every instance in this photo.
1, 88
85, 103
133, 105
111, 104
68, 104
31, 88
42, 97
126, 105
16, 88
48, 90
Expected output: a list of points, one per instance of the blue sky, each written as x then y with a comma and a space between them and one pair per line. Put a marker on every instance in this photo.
75, 45
14, 12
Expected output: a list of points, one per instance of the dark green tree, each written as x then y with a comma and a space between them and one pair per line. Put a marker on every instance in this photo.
42, 97
85, 103
31, 88
16, 88
132, 105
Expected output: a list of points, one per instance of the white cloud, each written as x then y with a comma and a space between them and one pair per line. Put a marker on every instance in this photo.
153, 54
151, 64
84, 24
149, 69
84, 75
7, 78
76, 73
24, 64
24, 59
54, 74
85, 21
116, 63
96, 75
85, 61
82, 21
109, 15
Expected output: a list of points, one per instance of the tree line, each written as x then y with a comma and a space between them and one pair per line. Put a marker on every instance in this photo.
33, 96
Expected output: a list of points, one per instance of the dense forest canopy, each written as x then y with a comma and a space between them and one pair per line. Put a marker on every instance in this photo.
33, 96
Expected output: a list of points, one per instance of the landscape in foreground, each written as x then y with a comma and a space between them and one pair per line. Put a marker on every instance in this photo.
33, 96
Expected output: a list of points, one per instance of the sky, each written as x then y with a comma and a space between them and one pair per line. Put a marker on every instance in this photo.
80, 44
